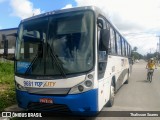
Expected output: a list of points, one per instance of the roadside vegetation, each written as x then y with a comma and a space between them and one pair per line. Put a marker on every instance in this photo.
7, 87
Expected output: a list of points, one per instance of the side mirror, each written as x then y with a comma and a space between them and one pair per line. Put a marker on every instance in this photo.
104, 38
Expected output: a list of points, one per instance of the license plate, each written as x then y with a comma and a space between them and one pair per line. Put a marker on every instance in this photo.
46, 100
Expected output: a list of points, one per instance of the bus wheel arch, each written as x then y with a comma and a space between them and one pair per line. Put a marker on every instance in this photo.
128, 74
112, 92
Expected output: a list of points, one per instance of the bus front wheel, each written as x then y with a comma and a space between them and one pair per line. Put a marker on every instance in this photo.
112, 95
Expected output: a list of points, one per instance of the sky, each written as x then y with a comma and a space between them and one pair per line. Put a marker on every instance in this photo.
137, 20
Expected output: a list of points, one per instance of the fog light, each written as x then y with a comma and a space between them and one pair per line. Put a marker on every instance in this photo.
20, 87
80, 88
88, 83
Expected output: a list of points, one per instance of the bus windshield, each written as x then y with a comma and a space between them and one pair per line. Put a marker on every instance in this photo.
55, 45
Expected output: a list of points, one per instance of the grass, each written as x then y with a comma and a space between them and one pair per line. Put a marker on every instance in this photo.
7, 87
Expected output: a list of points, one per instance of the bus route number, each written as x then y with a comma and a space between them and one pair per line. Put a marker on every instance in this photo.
32, 84
28, 84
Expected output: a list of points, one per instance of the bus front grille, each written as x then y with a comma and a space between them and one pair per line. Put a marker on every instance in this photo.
48, 107
48, 91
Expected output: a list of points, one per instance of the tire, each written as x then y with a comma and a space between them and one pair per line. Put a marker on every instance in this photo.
151, 75
127, 81
148, 76
112, 95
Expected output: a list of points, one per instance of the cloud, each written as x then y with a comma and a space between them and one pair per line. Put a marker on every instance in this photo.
141, 17
67, 6
141, 13
145, 42
23, 8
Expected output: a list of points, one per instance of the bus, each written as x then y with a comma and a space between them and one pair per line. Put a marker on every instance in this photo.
70, 60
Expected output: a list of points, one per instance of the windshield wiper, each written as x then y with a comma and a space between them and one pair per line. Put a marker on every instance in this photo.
54, 57
39, 54
57, 61
30, 66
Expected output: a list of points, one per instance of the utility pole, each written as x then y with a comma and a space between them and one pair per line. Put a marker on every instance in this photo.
159, 44
159, 50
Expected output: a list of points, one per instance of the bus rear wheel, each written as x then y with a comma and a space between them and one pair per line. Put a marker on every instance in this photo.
127, 81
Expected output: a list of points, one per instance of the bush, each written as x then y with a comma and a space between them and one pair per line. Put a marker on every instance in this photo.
6, 73
7, 88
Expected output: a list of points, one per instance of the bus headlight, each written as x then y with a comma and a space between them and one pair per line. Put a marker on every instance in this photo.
82, 87
88, 83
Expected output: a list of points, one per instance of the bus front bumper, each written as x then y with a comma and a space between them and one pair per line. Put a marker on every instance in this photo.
86, 102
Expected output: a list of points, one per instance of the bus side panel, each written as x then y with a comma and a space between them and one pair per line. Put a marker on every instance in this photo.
109, 75
117, 70
103, 92
104, 86
120, 67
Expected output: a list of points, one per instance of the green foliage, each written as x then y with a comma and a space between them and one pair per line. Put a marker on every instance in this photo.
6, 73
7, 88
136, 55
7, 98
135, 49
152, 55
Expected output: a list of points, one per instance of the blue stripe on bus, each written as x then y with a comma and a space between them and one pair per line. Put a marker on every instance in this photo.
83, 102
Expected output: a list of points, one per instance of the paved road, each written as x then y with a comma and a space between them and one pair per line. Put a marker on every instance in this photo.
138, 95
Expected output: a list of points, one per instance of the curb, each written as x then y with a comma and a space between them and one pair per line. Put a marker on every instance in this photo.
14, 108
11, 109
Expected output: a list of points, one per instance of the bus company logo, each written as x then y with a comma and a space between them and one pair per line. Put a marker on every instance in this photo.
6, 114
49, 84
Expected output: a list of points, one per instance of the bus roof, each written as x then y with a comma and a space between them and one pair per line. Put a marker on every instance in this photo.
93, 8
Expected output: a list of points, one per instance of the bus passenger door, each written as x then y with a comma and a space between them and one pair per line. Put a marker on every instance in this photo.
103, 36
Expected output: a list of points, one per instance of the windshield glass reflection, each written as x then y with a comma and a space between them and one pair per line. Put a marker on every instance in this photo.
57, 45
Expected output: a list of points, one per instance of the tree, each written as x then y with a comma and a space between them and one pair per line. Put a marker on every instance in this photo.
135, 49
135, 54
152, 55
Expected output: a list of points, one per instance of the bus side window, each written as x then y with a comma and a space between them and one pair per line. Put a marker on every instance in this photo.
112, 41
123, 46
100, 27
118, 40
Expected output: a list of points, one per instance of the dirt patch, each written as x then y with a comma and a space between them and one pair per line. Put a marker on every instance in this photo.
3, 87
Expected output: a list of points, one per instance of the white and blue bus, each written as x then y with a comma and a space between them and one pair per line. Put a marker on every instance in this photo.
69, 60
